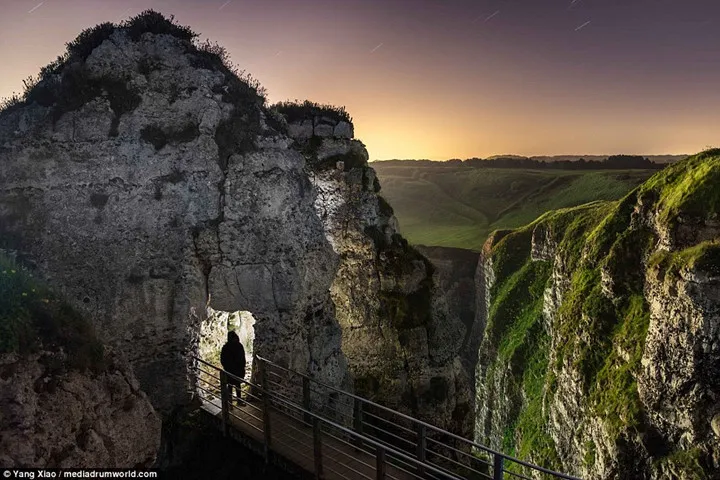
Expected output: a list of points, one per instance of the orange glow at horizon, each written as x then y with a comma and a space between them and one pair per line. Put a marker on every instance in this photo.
415, 97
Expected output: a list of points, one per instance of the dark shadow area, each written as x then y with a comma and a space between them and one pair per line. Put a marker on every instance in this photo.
193, 448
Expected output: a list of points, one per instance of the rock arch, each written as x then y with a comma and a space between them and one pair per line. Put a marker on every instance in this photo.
139, 234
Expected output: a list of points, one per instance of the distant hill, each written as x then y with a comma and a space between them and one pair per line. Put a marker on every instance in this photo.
664, 159
453, 204
657, 159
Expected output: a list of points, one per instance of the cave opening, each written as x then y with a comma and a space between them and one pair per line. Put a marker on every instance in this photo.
214, 330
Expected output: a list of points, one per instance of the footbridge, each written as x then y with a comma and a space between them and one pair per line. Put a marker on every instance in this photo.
327, 433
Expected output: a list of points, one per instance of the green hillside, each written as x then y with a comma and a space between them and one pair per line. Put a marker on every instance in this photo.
598, 338
458, 206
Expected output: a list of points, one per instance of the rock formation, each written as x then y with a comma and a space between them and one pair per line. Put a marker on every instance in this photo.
456, 289
401, 340
601, 354
52, 416
142, 178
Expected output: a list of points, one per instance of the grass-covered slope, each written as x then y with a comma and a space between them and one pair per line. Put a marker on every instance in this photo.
34, 318
598, 333
458, 206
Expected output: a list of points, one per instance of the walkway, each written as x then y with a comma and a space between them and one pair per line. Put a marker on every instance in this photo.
333, 434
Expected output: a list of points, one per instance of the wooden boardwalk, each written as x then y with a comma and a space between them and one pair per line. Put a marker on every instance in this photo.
292, 439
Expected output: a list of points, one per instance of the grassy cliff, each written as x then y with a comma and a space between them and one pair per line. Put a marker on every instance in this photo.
592, 342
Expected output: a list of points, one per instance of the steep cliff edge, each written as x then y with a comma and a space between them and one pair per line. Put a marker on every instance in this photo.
601, 354
402, 340
455, 270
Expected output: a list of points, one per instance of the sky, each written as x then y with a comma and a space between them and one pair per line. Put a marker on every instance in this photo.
444, 79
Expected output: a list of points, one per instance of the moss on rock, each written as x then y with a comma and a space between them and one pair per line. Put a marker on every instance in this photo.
603, 319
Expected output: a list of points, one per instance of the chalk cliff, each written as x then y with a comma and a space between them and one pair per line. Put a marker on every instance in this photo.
402, 341
52, 416
601, 354
66, 401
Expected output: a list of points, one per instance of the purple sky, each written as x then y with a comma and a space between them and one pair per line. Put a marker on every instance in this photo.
448, 78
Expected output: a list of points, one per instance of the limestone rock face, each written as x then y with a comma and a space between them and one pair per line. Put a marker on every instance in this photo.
401, 336
343, 130
160, 186
608, 366
148, 183
678, 381
455, 271
50, 418
301, 130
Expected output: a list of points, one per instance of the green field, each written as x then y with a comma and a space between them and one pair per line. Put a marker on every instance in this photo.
458, 206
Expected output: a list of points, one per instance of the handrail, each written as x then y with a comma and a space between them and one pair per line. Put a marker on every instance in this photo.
384, 450
341, 428
369, 440
425, 424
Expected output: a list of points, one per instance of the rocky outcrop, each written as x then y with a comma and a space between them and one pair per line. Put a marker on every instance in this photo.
400, 335
321, 126
600, 355
455, 280
55, 417
146, 181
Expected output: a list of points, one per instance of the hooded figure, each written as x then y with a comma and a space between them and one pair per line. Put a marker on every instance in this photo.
232, 358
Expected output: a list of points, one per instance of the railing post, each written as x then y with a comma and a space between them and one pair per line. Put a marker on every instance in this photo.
421, 446
225, 402
358, 420
317, 447
498, 467
380, 464
255, 375
266, 408
306, 399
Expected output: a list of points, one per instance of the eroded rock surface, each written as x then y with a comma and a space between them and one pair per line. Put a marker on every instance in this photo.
608, 365
138, 215
401, 338
54, 418
145, 181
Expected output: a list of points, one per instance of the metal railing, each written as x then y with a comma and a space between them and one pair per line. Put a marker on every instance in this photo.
398, 442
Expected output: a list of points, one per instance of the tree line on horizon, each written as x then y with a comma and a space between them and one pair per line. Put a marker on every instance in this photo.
612, 162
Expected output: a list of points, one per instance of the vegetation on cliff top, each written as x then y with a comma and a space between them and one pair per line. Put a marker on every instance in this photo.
63, 83
687, 189
34, 318
297, 111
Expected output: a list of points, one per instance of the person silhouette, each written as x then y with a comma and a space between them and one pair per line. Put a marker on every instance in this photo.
232, 358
